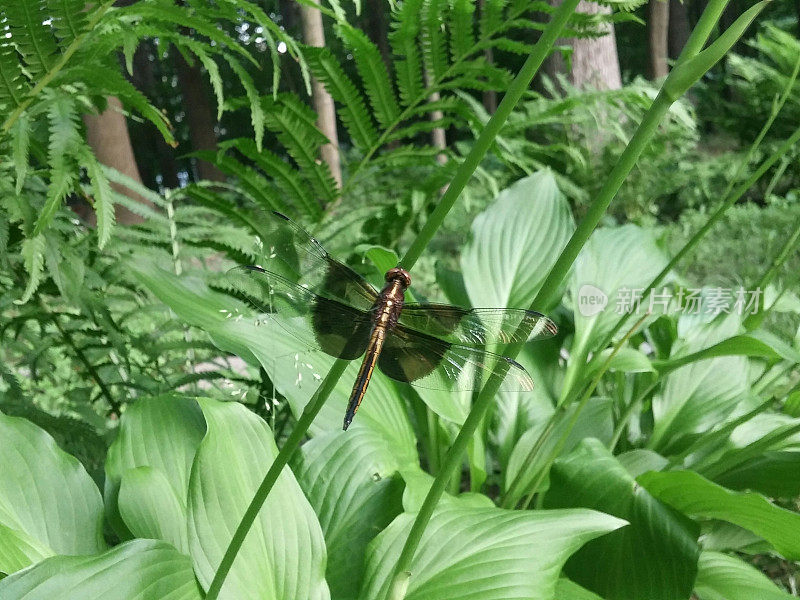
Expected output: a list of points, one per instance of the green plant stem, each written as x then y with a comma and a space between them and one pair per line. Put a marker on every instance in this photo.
490, 131
48, 77
730, 197
626, 414
289, 448
554, 453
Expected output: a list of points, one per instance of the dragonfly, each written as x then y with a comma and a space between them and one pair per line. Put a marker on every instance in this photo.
333, 309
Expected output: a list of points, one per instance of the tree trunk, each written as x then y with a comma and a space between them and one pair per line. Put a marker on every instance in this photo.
314, 35
378, 29
595, 63
679, 28
199, 114
657, 33
107, 135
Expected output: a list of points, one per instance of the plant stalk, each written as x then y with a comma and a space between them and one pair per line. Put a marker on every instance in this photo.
289, 448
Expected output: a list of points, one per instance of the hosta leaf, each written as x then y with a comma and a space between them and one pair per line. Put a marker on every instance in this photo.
773, 474
695, 495
466, 552
699, 395
351, 481
283, 555
515, 241
722, 577
655, 557
136, 570
48, 502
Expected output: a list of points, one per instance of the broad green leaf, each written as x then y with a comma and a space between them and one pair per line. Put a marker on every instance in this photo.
48, 502
626, 360
641, 461
595, 421
149, 507
773, 474
655, 557
295, 370
162, 433
466, 552
136, 570
569, 590
694, 495
722, 577
614, 265
697, 396
351, 481
283, 555
515, 241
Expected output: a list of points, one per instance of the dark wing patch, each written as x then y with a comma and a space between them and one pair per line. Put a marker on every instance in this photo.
432, 363
320, 323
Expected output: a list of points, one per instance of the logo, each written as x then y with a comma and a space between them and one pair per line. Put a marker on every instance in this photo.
591, 300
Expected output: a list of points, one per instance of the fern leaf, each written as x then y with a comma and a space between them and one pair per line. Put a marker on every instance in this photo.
302, 141
373, 73
212, 69
353, 111
33, 256
257, 117
65, 138
291, 105
405, 133
34, 40
434, 38
12, 82
491, 18
286, 178
462, 39
69, 18
20, 136
103, 198
408, 65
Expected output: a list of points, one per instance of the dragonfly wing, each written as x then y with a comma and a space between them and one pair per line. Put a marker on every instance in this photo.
321, 323
477, 326
289, 251
429, 362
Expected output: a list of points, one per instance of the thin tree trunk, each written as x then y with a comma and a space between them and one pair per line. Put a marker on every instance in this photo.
595, 62
199, 114
679, 28
314, 35
378, 28
107, 135
657, 34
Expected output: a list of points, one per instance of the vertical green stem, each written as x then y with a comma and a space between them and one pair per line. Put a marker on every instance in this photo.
490, 131
289, 448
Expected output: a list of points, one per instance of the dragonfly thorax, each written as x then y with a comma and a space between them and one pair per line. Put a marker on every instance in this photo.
398, 274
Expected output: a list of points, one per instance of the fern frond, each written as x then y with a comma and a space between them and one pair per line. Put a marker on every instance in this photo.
34, 40
434, 38
257, 188
373, 73
257, 117
462, 39
491, 17
414, 129
20, 138
69, 18
302, 142
65, 138
353, 111
284, 176
12, 83
408, 64
33, 256
103, 198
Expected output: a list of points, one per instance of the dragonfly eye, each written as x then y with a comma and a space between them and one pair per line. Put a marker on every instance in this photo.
401, 274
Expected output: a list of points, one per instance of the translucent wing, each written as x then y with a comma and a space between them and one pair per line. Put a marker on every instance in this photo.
321, 323
476, 326
429, 362
290, 252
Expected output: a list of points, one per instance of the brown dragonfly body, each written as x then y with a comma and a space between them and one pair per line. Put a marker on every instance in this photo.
385, 312
328, 307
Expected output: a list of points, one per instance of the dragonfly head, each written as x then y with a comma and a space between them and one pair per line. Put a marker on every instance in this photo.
401, 274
